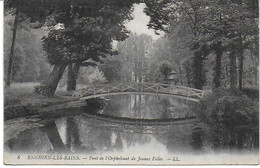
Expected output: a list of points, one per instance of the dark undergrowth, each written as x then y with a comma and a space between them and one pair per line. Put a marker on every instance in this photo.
232, 120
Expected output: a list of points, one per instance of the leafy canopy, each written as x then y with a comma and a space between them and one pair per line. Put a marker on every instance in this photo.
87, 27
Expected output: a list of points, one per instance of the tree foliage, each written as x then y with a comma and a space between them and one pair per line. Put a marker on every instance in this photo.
86, 31
198, 33
30, 63
131, 63
165, 69
112, 69
89, 28
230, 24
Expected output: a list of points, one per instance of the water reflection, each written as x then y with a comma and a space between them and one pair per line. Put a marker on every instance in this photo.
147, 106
72, 134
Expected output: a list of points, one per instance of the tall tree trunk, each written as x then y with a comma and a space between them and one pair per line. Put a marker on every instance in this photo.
140, 106
240, 72
140, 77
241, 63
11, 57
217, 69
135, 69
255, 67
73, 70
135, 105
233, 71
49, 88
197, 77
256, 77
201, 51
256, 54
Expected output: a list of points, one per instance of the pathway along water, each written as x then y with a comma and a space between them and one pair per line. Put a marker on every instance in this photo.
84, 134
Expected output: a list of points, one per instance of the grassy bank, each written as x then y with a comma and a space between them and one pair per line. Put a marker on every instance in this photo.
20, 100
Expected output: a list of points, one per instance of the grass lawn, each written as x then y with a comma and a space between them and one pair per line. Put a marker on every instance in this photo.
22, 94
20, 98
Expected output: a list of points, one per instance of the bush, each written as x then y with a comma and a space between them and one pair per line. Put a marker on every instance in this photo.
231, 117
251, 92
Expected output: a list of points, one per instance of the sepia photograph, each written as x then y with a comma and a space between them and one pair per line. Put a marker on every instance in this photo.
131, 82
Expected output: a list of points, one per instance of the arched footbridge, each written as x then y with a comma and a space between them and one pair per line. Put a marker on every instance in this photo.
139, 88
185, 125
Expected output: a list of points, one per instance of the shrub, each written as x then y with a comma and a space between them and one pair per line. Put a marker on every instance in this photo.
231, 117
251, 92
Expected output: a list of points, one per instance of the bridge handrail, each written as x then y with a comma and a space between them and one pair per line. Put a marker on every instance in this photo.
141, 87
148, 83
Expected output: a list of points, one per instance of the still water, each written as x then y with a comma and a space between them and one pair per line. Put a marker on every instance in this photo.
81, 134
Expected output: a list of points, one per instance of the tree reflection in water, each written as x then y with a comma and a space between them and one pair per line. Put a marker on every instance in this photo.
70, 134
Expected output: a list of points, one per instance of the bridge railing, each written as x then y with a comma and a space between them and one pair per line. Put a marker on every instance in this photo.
156, 88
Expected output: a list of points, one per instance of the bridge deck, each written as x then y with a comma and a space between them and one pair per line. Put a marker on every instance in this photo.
140, 88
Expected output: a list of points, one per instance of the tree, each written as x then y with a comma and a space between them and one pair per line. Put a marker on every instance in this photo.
230, 26
88, 30
253, 50
218, 49
165, 69
73, 70
229, 23
173, 48
11, 58
132, 55
246, 26
238, 22
73, 73
112, 69
22, 10
30, 63
193, 14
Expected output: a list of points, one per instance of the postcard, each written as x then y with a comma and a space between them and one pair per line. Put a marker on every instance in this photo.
138, 82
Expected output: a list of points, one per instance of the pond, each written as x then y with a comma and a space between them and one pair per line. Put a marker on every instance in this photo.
83, 134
